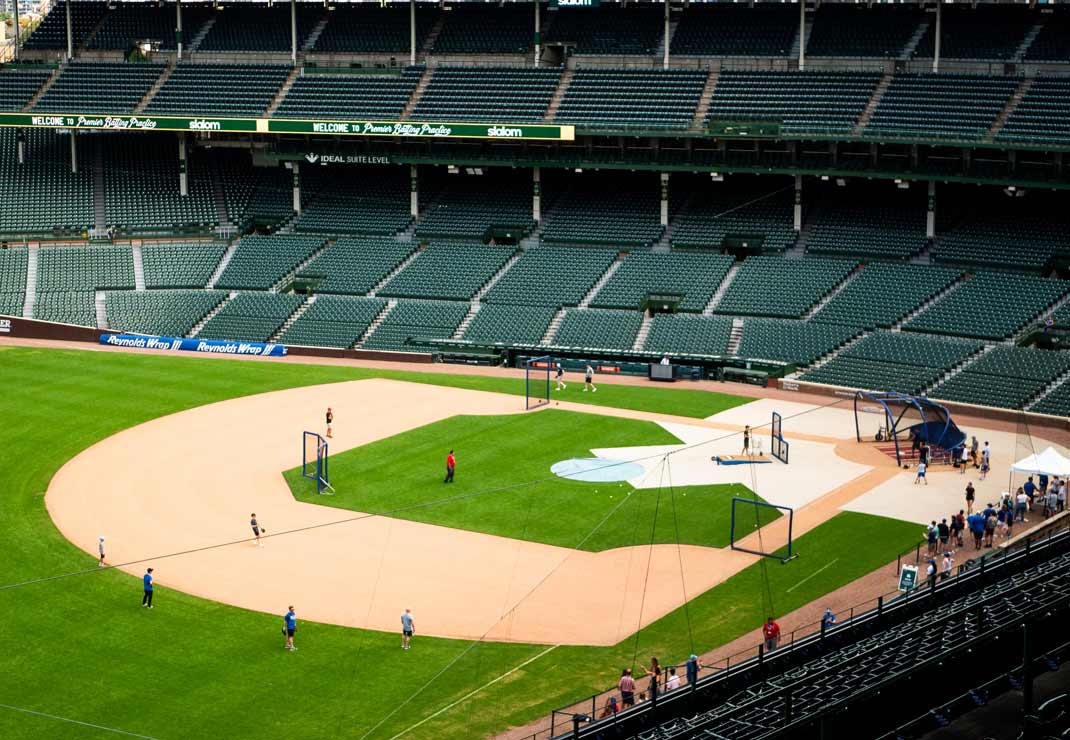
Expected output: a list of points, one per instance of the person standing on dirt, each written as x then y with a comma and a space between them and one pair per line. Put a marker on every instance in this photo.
771, 633
746, 439
970, 495
330, 422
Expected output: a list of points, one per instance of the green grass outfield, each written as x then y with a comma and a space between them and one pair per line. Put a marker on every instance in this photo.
80, 647
504, 484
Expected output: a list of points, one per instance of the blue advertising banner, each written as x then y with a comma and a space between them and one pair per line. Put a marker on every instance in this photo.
214, 346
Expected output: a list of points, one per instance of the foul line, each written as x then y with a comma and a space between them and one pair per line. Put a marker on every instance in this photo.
472, 693
75, 722
823, 567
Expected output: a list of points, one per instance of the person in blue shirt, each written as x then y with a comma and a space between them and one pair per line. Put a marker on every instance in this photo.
291, 626
976, 523
146, 600
827, 619
1030, 488
692, 668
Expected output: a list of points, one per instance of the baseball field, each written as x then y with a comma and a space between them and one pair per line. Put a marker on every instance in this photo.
530, 590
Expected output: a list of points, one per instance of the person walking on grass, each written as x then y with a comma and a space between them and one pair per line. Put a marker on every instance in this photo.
330, 422
289, 628
561, 385
408, 627
451, 465
588, 379
100, 549
920, 477
146, 600
970, 495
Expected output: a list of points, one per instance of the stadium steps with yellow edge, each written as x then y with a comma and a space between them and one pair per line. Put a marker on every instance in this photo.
425, 80
559, 94
211, 314
391, 304
834, 292
874, 101
45, 87
1008, 109
298, 313
699, 121
139, 265
283, 91
467, 320
147, 98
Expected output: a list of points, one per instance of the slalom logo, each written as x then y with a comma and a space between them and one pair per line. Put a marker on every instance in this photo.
200, 124
505, 132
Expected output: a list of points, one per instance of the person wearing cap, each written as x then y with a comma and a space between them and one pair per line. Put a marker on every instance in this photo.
692, 669
771, 633
100, 549
827, 619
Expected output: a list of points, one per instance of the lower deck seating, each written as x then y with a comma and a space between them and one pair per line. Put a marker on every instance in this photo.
1056, 403
894, 361
261, 261
499, 323
693, 275
251, 317
885, 292
448, 271
167, 313
180, 264
11, 303
65, 269
755, 215
597, 329
13, 262
333, 321
1005, 376
684, 334
551, 276
989, 305
416, 319
795, 342
778, 286
67, 307
354, 265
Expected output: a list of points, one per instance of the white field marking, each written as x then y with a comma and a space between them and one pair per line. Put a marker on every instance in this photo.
828, 565
46, 715
472, 693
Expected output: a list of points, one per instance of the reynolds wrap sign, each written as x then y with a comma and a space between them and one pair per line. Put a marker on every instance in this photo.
212, 346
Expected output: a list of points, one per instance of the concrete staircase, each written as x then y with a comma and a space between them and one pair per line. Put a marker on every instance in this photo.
101, 305
735, 336
808, 26
1030, 37
1048, 390
467, 320
227, 255
390, 304
288, 277
959, 368
1008, 109
314, 34
211, 314
659, 52
555, 324
496, 277
898, 326
699, 121
148, 96
912, 44
283, 91
139, 267
644, 332
425, 80
1038, 319
874, 101
31, 282
834, 353
195, 42
100, 203
220, 196
559, 94
390, 275
44, 88
834, 292
798, 249
88, 38
610, 271
719, 294
432, 37
298, 313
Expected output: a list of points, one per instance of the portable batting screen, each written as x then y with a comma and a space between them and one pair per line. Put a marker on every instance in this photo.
537, 382
778, 446
314, 461
760, 528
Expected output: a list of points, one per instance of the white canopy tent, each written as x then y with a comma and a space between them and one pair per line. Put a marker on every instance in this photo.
1049, 462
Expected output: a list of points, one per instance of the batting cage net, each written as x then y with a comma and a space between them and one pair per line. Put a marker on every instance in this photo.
314, 461
762, 529
537, 381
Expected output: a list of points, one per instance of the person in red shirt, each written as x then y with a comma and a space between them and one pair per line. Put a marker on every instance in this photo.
451, 463
771, 632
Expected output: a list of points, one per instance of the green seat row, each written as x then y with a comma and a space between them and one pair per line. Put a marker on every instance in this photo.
251, 317
168, 313
333, 321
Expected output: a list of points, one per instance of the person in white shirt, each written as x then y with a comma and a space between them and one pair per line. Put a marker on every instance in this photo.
673, 682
